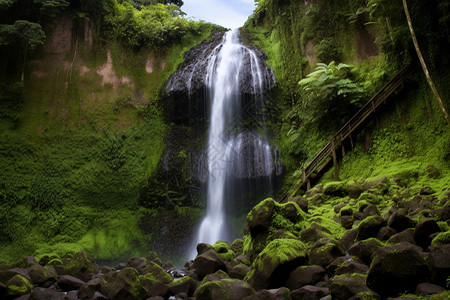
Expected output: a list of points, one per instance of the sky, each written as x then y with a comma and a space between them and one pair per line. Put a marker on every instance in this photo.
227, 13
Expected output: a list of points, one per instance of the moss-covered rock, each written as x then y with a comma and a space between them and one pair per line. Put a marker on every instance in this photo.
207, 263
344, 287
227, 289
224, 250
154, 273
370, 198
88, 289
182, 285
396, 270
80, 265
325, 251
273, 265
238, 246
40, 274
364, 250
369, 227
18, 286
124, 285
336, 188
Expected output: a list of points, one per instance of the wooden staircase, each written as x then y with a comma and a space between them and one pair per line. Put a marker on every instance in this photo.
328, 153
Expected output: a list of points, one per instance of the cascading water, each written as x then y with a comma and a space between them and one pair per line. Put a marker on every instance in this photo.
234, 150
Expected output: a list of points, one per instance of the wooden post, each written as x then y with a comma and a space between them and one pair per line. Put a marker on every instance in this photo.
335, 163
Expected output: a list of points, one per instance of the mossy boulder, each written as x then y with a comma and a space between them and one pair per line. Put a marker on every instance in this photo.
396, 270
370, 198
238, 246
260, 217
305, 275
433, 172
81, 265
369, 227
354, 190
325, 251
239, 271
207, 263
229, 289
124, 285
182, 285
273, 294
88, 289
336, 188
224, 250
345, 287
273, 265
40, 275
366, 249
18, 286
154, 273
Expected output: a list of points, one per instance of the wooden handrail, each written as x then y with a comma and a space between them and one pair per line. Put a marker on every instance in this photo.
324, 156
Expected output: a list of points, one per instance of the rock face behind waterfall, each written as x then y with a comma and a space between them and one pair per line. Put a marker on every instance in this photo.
191, 74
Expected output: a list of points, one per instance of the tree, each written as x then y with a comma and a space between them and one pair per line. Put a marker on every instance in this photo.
423, 64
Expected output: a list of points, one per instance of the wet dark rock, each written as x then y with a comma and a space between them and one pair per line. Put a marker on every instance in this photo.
357, 215
181, 285
203, 247
370, 210
274, 294
338, 208
347, 222
124, 285
82, 266
207, 263
350, 267
425, 289
232, 289
400, 221
439, 262
348, 239
99, 296
239, 271
106, 270
309, 292
137, 263
423, 231
325, 251
45, 294
260, 217
69, 283
18, 286
301, 202
306, 275
364, 250
404, 236
396, 270
374, 183
190, 75
345, 287
237, 246
354, 191
314, 233
158, 289
369, 227
40, 275
88, 289
6, 275
385, 233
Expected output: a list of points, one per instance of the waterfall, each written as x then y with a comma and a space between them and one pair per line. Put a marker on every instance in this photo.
237, 147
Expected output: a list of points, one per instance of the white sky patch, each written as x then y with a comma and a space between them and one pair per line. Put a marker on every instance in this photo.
227, 13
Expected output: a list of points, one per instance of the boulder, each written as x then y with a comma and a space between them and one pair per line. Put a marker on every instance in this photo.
396, 270
155, 273
260, 217
365, 250
423, 231
425, 289
301, 202
99, 296
433, 172
182, 285
370, 210
335, 189
274, 294
351, 267
157, 289
385, 233
224, 250
347, 222
369, 227
273, 265
7, 274
40, 275
309, 292
230, 289
354, 190
203, 247
404, 236
314, 233
344, 287
18, 286
207, 263
137, 263
124, 285
306, 275
82, 266
88, 289
239, 271
348, 239
46, 294
400, 222
69, 283
338, 208
237, 246
439, 262
325, 251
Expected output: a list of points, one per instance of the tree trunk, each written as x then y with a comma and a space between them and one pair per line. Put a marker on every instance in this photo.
424, 66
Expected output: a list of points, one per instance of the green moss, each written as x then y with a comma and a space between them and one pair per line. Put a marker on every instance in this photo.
224, 250
442, 238
153, 272
19, 285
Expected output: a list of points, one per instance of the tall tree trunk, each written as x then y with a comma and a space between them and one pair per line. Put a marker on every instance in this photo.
424, 66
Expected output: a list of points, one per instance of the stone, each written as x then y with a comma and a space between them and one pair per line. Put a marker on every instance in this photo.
425, 289
137, 263
203, 247
335, 189
106, 270
6, 275
348, 239
397, 269
444, 213
346, 211
365, 250
18, 286
426, 190
357, 215
369, 227
325, 251
347, 222
157, 289
181, 285
69, 283
82, 266
354, 191
338, 208
404, 236
207, 263
124, 285
239, 271
237, 246
350, 267
439, 262
309, 292
230, 289
385, 233
306, 275
45, 294
370, 210
423, 231
273, 265
88, 289
274, 294
99, 296
433, 172
314, 233
344, 287
154, 272
40, 275
400, 222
